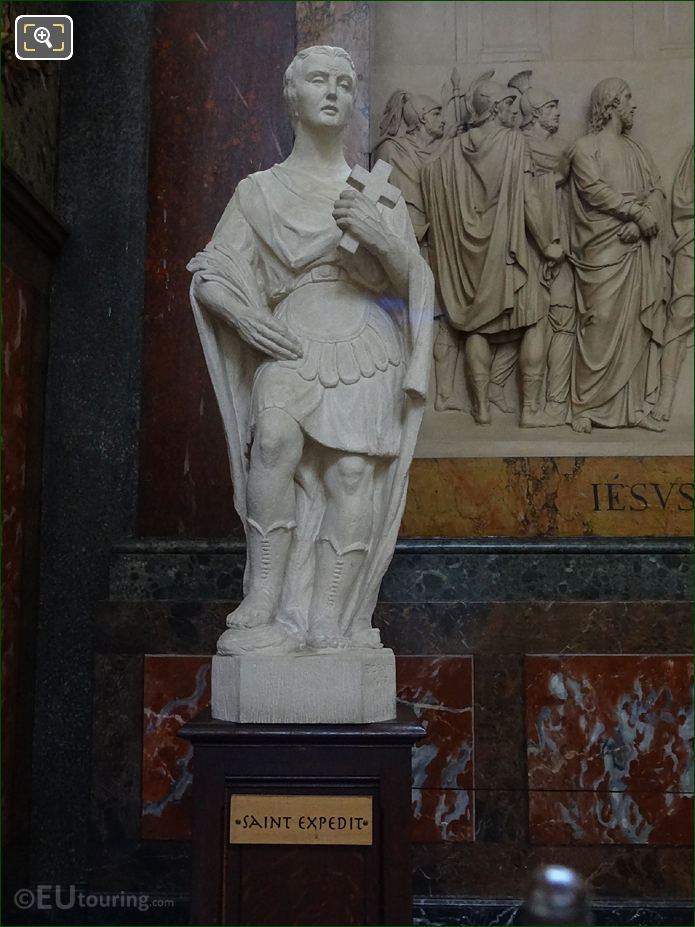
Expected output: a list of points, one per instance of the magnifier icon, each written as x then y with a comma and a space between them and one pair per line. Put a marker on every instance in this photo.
42, 35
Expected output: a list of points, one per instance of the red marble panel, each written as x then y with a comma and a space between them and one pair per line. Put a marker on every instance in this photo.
589, 818
440, 691
176, 689
610, 749
610, 723
217, 114
443, 816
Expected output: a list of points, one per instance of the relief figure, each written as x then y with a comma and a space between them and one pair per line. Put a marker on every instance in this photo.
617, 237
678, 335
481, 204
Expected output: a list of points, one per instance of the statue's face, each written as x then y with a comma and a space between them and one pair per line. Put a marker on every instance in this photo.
433, 121
626, 109
508, 111
324, 91
549, 116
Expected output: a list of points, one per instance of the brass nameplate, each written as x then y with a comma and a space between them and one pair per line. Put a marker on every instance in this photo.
336, 819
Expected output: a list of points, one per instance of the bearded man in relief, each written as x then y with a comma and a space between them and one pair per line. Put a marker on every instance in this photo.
619, 258
320, 362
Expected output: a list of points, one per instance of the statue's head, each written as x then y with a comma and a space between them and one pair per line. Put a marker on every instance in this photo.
407, 113
537, 106
540, 107
611, 98
320, 87
421, 110
489, 99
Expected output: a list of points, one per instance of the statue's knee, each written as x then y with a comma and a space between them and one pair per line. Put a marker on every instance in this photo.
276, 437
352, 473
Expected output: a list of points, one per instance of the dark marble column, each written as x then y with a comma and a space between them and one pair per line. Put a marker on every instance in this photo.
92, 397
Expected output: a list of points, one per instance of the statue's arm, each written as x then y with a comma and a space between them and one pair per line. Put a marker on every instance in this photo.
595, 191
539, 215
225, 285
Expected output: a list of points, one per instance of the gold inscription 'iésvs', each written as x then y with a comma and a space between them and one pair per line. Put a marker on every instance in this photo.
318, 819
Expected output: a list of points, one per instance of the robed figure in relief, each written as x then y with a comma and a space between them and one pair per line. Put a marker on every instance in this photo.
619, 258
320, 362
481, 203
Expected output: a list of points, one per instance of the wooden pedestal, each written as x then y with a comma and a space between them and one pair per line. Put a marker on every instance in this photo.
308, 883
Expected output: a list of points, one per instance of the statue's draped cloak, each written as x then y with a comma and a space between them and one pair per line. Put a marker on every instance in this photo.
620, 286
406, 157
276, 228
479, 198
680, 321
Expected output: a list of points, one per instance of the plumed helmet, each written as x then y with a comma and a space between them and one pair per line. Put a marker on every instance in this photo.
404, 112
483, 96
532, 98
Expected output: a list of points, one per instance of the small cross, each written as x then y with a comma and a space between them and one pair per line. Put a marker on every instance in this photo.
375, 186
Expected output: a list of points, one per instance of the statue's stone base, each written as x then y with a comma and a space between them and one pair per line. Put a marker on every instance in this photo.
344, 687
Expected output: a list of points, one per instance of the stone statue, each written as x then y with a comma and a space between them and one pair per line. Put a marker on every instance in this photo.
481, 204
320, 362
678, 335
618, 215
540, 121
410, 134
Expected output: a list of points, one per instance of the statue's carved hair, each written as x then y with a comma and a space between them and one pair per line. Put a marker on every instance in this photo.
605, 97
332, 51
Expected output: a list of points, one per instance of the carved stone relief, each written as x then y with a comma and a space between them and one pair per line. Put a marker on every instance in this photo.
563, 263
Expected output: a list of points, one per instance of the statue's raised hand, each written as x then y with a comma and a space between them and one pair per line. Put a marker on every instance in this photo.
268, 335
355, 213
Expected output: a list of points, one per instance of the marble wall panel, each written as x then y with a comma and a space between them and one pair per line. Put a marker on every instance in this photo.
488, 570
550, 496
176, 689
633, 817
217, 114
610, 748
440, 690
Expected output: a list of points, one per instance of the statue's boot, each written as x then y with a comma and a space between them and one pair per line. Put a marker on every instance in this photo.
532, 413
267, 552
481, 405
337, 570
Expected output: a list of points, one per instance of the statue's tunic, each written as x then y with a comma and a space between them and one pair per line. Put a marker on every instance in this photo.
361, 382
479, 201
620, 286
680, 314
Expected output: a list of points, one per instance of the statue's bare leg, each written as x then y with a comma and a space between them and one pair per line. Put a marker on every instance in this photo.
447, 346
531, 359
270, 504
562, 339
504, 361
671, 363
341, 546
478, 362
